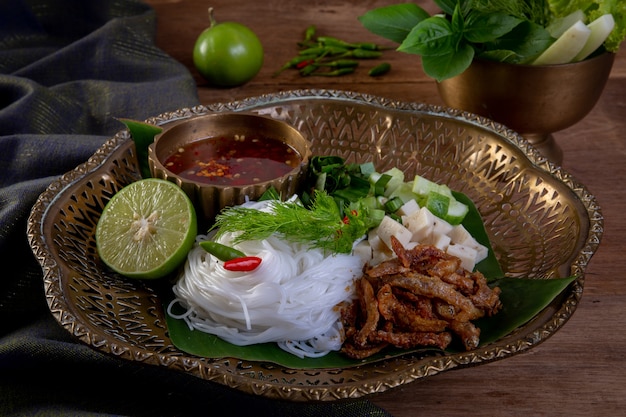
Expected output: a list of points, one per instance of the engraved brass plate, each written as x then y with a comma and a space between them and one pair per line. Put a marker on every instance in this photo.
541, 222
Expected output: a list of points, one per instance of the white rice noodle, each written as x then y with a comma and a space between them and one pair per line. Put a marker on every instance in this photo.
290, 299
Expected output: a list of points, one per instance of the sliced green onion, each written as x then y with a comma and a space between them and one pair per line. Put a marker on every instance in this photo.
393, 205
381, 184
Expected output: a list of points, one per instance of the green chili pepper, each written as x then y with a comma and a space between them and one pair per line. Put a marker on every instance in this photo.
323, 50
309, 33
368, 46
294, 62
221, 252
308, 70
339, 63
362, 54
330, 41
335, 73
379, 69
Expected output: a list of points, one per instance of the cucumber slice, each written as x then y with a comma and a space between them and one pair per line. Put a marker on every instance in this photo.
600, 30
559, 25
404, 191
566, 47
423, 186
397, 178
438, 204
456, 212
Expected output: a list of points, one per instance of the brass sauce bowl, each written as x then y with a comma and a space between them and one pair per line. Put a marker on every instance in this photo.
209, 199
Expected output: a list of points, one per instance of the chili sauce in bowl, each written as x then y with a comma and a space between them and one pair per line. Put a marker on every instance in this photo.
224, 159
233, 160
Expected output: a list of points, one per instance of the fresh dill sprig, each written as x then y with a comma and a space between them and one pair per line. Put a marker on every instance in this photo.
320, 226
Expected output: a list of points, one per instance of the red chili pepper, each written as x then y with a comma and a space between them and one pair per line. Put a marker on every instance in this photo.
303, 64
243, 264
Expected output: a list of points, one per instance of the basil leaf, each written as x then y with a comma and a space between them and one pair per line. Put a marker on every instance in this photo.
449, 65
480, 28
447, 6
526, 41
393, 22
431, 37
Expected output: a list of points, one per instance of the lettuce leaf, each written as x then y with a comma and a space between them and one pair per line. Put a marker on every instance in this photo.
594, 9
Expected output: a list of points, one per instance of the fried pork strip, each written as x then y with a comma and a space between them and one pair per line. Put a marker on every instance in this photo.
420, 298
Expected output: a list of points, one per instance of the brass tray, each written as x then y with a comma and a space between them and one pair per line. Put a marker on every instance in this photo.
541, 222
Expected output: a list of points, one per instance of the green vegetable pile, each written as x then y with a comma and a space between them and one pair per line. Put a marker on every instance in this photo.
513, 31
340, 203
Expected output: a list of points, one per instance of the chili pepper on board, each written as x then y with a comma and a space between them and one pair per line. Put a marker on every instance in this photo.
323, 50
335, 73
339, 63
308, 70
328, 51
243, 264
309, 33
379, 69
294, 62
362, 54
332, 41
221, 252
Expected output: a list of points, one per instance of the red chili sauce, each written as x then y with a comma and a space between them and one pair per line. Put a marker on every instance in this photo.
236, 160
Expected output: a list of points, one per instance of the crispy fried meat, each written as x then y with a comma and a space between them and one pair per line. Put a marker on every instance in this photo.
420, 298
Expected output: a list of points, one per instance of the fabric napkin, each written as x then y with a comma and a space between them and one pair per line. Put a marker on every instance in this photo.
68, 69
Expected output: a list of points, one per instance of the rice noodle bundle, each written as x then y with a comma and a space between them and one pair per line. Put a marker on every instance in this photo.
292, 298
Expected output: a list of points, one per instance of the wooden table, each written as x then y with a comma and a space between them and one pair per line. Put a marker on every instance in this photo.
581, 370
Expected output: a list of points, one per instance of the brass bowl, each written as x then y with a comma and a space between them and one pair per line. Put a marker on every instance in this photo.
534, 100
210, 198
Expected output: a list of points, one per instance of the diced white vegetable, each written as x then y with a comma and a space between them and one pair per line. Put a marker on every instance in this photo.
441, 227
380, 251
560, 25
481, 253
363, 250
459, 234
408, 208
481, 250
420, 224
600, 30
412, 244
465, 253
440, 241
389, 227
566, 47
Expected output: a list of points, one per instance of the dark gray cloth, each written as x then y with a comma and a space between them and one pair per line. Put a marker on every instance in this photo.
68, 69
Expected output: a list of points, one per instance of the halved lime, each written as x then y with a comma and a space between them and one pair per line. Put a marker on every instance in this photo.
146, 229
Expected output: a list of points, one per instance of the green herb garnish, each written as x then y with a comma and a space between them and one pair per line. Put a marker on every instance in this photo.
321, 225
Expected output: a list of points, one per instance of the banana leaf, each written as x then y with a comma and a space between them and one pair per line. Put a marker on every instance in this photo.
142, 135
522, 300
